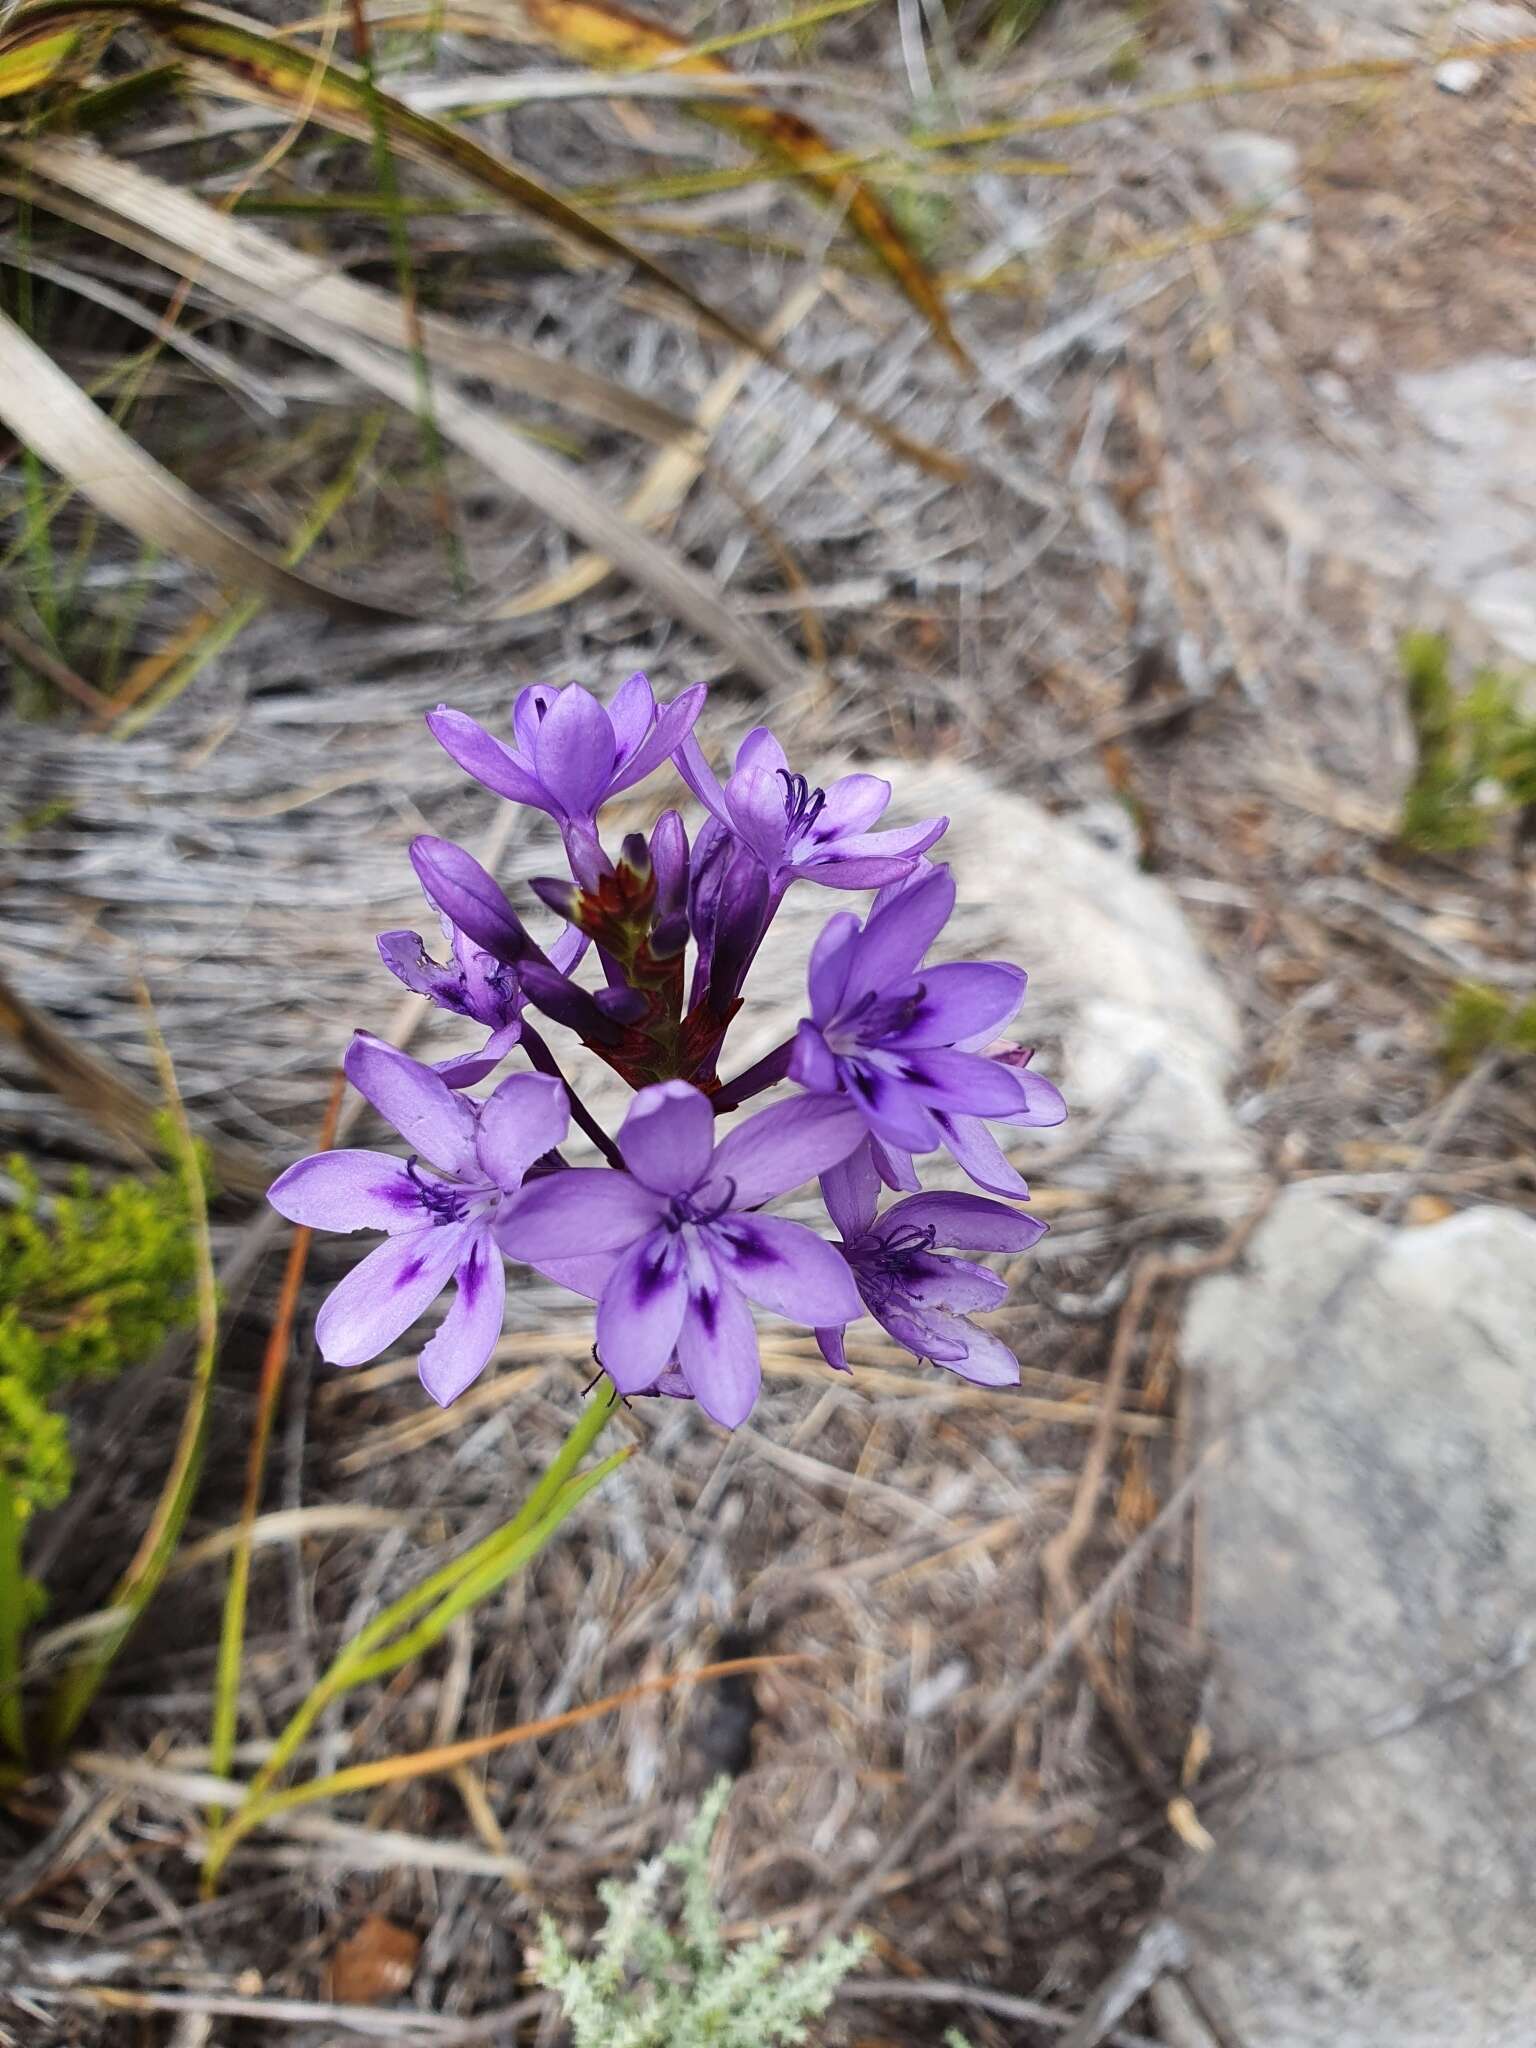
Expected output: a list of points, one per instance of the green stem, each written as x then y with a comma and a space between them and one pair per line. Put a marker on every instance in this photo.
390, 1640
12, 1605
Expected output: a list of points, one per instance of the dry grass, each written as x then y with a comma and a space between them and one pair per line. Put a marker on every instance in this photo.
1110, 609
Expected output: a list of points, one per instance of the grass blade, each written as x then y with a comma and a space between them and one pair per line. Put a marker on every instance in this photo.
612, 38
49, 413
82, 1680
205, 236
395, 1770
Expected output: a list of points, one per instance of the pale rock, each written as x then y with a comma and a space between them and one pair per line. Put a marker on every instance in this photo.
1370, 1550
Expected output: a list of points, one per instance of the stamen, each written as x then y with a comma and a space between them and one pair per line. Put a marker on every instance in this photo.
802, 804
443, 1200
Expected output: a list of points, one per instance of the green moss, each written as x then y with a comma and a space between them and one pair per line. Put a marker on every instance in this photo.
91, 1282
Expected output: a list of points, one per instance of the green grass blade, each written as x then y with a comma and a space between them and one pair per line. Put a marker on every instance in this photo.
81, 1682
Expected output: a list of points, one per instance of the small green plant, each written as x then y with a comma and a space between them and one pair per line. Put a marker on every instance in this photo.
1475, 748
91, 1282
1477, 1020
648, 1986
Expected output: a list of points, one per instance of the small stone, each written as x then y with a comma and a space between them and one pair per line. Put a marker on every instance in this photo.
1459, 75
1256, 169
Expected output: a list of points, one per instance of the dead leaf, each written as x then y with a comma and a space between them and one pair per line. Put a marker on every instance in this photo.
374, 1964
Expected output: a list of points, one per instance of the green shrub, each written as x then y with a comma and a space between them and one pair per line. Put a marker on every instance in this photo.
91, 1282
1475, 751
650, 1986
1477, 1020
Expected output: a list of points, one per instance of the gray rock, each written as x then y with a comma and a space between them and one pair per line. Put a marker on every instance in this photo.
1459, 75
1256, 169
1371, 1552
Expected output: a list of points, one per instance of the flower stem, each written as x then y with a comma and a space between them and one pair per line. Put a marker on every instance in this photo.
772, 1067
413, 1623
543, 1061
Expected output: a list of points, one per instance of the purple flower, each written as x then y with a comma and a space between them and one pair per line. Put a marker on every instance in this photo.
570, 755
920, 1297
473, 984
670, 1250
797, 831
896, 1039
437, 1208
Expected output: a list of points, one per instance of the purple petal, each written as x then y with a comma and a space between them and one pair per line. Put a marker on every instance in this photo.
588, 1276
897, 844
1044, 1104
960, 1000
755, 800
968, 1222
579, 1210
761, 750
961, 1083
785, 1267
408, 961
894, 1165
467, 895
932, 1282
466, 1068
530, 707
668, 1137
641, 1311
676, 722
573, 751
832, 959
851, 1191
631, 714
380, 1299
528, 1115
981, 1156
957, 1345
461, 1349
892, 1108
701, 779
783, 1146
842, 867
348, 1191
811, 1064
852, 805
717, 1349
487, 758
832, 1349
896, 937
422, 1107
565, 952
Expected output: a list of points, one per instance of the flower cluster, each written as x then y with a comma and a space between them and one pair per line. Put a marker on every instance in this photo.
670, 1237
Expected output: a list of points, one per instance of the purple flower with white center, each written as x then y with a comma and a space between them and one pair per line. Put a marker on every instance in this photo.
473, 984
797, 831
919, 1296
437, 1208
570, 755
887, 1034
672, 1251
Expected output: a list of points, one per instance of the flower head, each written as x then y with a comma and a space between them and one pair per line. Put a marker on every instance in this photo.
569, 754
472, 984
890, 1035
798, 831
905, 1282
436, 1208
673, 1251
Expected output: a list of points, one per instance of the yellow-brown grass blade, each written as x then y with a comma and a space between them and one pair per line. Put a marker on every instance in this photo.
208, 236
612, 38
49, 413
132, 207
